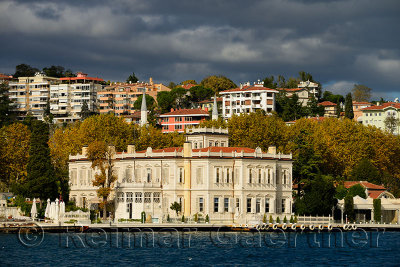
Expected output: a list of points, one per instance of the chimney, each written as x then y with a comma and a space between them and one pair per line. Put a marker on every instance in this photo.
271, 150
84, 150
131, 149
187, 150
151, 81
172, 109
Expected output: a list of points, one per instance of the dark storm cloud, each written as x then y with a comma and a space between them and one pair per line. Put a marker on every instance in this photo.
339, 42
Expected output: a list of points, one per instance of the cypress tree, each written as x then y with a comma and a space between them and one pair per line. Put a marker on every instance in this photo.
41, 179
348, 108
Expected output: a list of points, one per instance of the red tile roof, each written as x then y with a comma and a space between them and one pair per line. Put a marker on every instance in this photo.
383, 106
183, 112
327, 104
291, 89
219, 99
188, 86
361, 103
375, 194
3, 76
249, 88
225, 149
364, 184
81, 78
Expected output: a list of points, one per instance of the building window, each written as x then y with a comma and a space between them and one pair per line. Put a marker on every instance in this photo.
259, 176
178, 119
201, 204
237, 204
226, 204
156, 197
210, 143
248, 205
180, 175
148, 175
129, 197
120, 197
138, 197
216, 204
195, 145
269, 176
267, 205
250, 176
147, 197
258, 205
283, 205
228, 177
178, 127
217, 175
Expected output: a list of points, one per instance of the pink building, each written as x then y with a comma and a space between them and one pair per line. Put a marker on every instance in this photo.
178, 120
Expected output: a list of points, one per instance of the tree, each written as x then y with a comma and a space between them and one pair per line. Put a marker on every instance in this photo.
200, 93
377, 210
341, 192
357, 190
318, 197
165, 101
132, 78
349, 208
150, 102
6, 112
269, 82
101, 155
24, 70
188, 82
179, 95
41, 180
171, 85
85, 112
391, 123
361, 93
14, 148
176, 207
47, 116
218, 83
366, 171
313, 109
55, 71
348, 109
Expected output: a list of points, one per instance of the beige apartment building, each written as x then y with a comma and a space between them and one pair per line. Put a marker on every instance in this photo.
119, 98
31, 94
229, 184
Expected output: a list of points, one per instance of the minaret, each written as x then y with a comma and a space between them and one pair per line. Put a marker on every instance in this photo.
215, 109
143, 111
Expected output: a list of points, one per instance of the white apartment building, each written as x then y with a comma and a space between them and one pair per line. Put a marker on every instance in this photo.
376, 115
247, 99
67, 98
30, 94
229, 184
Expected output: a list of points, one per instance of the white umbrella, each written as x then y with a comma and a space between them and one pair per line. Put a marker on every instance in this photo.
62, 209
34, 209
57, 210
47, 212
52, 210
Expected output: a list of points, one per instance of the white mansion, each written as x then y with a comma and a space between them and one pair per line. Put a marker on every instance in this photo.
206, 176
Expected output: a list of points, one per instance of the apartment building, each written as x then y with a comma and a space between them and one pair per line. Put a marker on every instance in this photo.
376, 115
67, 98
31, 94
119, 98
357, 109
179, 119
248, 98
330, 108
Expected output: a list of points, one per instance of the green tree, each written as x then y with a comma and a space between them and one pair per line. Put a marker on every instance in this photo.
188, 82
150, 102
6, 110
171, 85
269, 82
348, 109
349, 208
341, 192
55, 71
85, 112
200, 93
218, 83
391, 123
101, 155
176, 207
179, 95
366, 171
377, 210
47, 115
165, 101
24, 70
357, 190
41, 180
361, 93
318, 198
132, 78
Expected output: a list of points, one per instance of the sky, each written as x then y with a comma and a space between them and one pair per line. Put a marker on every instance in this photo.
340, 43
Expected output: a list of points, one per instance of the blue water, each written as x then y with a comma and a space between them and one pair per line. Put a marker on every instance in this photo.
201, 249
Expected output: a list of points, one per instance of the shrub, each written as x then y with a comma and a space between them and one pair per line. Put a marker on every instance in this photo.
377, 210
265, 218
285, 219
207, 219
271, 220
278, 220
291, 219
183, 218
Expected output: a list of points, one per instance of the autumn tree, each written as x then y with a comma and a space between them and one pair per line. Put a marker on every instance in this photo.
14, 153
348, 108
188, 82
218, 83
102, 157
361, 93
391, 123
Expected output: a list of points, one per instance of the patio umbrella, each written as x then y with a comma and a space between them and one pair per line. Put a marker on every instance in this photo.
62, 209
56, 214
34, 209
52, 210
47, 211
